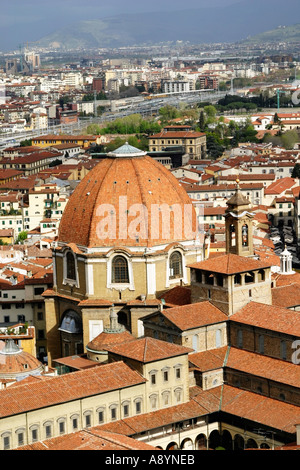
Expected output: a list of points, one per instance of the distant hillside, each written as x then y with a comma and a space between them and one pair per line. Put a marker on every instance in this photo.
280, 34
204, 25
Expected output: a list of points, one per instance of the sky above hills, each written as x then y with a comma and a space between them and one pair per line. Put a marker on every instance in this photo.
23, 21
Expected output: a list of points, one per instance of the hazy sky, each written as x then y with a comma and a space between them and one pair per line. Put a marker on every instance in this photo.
29, 20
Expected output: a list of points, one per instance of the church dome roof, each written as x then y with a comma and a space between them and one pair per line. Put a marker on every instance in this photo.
16, 363
121, 202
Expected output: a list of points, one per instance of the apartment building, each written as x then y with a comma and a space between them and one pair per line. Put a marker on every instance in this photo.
44, 202
177, 86
194, 143
31, 163
21, 286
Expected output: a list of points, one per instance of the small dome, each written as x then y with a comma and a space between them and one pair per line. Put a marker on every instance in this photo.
71, 323
107, 339
129, 192
16, 364
126, 151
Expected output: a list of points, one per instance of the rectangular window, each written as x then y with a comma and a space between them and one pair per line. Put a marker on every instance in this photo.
166, 376
178, 373
113, 413
88, 421
153, 379
75, 423
34, 435
61, 427
101, 417
20, 439
126, 410
38, 290
48, 431
6, 443
138, 407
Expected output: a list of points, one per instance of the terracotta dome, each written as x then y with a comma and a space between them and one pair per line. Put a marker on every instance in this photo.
16, 364
108, 339
125, 178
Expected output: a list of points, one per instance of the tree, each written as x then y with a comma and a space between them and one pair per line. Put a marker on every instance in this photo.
202, 121
168, 112
296, 171
93, 129
214, 146
26, 143
21, 237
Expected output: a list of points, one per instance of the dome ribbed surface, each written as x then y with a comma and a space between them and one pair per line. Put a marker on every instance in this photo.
120, 184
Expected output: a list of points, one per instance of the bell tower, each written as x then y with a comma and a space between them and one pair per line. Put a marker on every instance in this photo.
239, 225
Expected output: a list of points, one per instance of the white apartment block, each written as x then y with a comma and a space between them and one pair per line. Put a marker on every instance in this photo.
72, 79
44, 202
12, 222
177, 86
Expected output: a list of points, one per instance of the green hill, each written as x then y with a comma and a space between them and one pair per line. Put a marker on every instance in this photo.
280, 34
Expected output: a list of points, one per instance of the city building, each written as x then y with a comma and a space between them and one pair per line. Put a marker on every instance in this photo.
194, 143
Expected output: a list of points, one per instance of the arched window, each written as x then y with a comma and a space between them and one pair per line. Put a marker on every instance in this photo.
120, 270
232, 235
71, 270
48, 429
175, 265
218, 338
245, 235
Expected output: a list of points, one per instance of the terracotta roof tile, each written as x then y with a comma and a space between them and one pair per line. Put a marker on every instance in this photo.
262, 366
209, 360
47, 391
260, 409
269, 316
91, 439
286, 296
140, 180
148, 350
179, 295
198, 314
230, 264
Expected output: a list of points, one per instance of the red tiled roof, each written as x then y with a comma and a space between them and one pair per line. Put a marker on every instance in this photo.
148, 350
156, 419
194, 315
177, 135
286, 296
209, 360
269, 316
230, 264
91, 439
280, 185
266, 367
286, 279
178, 295
49, 391
106, 340
261, 409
